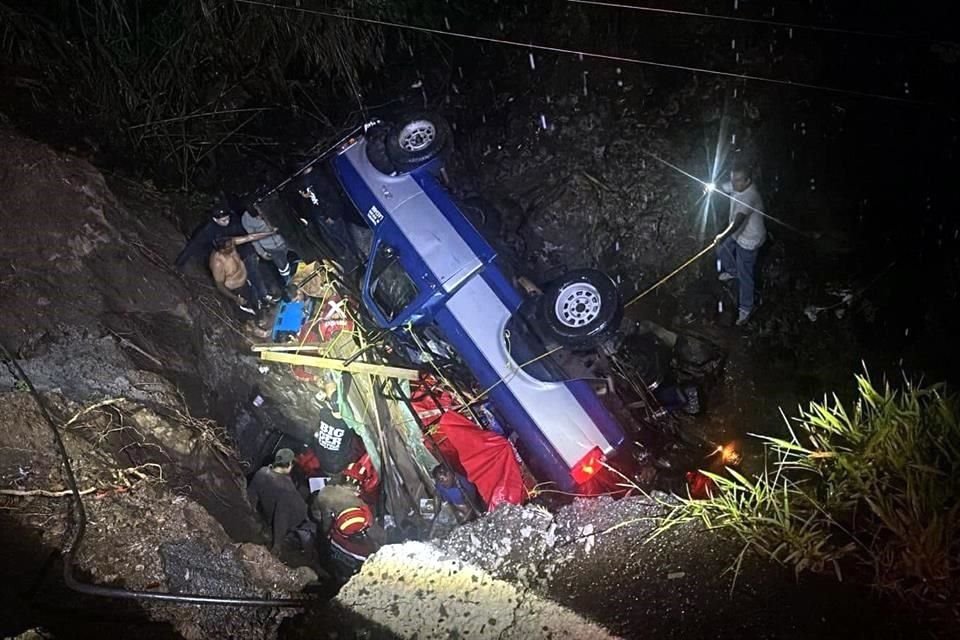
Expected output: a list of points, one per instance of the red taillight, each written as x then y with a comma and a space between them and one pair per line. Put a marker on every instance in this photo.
588, 466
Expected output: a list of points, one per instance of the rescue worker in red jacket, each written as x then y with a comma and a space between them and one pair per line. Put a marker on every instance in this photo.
348, 523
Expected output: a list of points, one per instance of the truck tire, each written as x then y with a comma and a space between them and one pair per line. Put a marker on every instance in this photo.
377, 150
416, 139
581, 309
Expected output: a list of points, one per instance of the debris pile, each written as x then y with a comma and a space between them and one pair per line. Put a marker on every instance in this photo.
595, 557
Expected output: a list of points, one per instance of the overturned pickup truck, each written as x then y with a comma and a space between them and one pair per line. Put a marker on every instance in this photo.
428, 274
438, 288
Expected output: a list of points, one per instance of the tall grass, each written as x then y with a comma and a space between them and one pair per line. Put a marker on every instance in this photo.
867, 490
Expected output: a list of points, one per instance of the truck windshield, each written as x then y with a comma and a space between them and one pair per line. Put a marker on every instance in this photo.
527, 350
390, 286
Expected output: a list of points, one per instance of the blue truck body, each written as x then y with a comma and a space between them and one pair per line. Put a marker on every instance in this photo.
428, 264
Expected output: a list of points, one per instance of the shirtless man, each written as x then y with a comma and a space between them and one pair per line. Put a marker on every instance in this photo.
230, 274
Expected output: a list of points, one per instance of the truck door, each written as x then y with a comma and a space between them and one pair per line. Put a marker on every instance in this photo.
391, 294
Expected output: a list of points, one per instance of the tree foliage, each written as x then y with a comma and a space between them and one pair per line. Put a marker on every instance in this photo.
174, 79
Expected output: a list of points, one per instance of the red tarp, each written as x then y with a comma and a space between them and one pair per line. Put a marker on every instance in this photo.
430, 400
484, 457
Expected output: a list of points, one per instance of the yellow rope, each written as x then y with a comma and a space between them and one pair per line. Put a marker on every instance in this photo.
513, 373
318, 310
649, 290
465, 405
667, 277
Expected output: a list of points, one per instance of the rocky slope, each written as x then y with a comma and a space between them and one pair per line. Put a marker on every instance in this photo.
126, 352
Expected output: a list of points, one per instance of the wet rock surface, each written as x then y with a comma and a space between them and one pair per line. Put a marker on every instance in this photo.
82, 365
193, 567
141, 534
594, 557
418, 592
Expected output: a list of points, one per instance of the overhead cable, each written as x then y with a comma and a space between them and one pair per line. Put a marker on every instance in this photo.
772, 23
587, 54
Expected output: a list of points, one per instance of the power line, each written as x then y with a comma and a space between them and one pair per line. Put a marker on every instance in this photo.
588, 54
773, 23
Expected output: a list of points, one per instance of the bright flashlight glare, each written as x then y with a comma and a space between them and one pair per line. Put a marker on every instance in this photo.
711, 187
730, 455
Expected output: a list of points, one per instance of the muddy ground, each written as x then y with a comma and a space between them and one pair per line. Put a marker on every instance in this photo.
143, 531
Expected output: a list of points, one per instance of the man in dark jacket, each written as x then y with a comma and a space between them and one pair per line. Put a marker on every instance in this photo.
273, 495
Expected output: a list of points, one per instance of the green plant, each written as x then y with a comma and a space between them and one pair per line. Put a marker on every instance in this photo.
870, 487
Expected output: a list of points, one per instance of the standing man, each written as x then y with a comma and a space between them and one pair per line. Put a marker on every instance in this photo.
273, 247
740, 242
337, 444
273, 495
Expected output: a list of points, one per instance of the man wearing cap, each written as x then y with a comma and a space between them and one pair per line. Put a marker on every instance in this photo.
273, 495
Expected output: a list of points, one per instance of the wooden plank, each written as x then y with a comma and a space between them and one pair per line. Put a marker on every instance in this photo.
270, 346
340, 365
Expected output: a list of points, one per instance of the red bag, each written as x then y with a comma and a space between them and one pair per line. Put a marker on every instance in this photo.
334, 317
308, 463
430, 400
700, 486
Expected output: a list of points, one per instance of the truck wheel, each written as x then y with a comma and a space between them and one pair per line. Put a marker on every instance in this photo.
581, 309
377, 150
417, 139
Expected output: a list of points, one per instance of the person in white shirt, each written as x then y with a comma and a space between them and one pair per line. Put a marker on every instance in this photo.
740, 242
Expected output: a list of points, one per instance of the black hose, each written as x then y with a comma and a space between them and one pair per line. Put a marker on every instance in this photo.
117, 592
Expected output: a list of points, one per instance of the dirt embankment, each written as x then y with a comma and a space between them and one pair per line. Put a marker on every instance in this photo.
96, 315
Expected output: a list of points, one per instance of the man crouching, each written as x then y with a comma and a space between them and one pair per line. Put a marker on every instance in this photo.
348, 523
